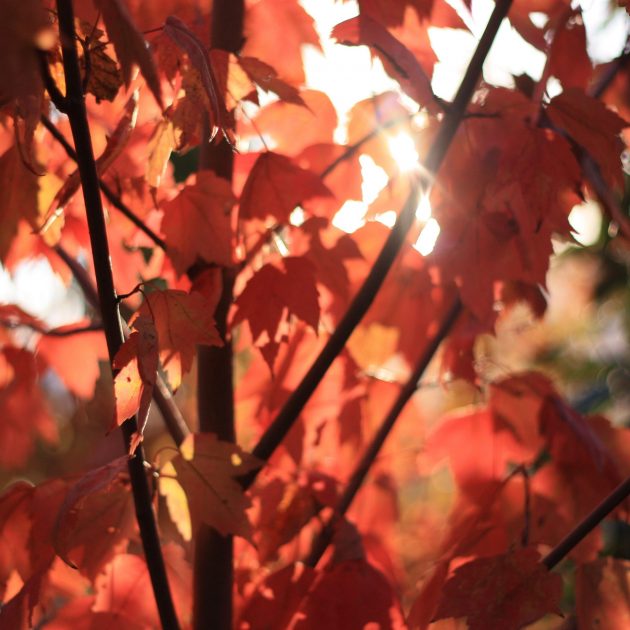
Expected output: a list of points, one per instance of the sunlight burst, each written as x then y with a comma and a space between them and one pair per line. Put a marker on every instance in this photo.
403, 150
428, 237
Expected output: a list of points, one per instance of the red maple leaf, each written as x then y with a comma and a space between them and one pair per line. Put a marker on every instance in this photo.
503, 592
276, 185
197, 224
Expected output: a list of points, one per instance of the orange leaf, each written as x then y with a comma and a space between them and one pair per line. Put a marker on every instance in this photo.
18, 196
266, 78
293, 127
265, 22
276, 185
131, 49
198, 222
208, 471
182, 320
137, 360
75, 359
24, 410
503, 592
273, 292
124, 589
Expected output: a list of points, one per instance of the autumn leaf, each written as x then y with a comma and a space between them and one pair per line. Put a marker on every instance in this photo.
208, 471
116, 143
503, 592
182, 320
75, 359
24, 408
399, 62
25, 28
392, 13
131, 48
18, 196
276, 185
276, 291
197, 224
267, 20
137, 362
104, 78
568, 60
292, 127
121, 591
350, 594
95, 519
266, 78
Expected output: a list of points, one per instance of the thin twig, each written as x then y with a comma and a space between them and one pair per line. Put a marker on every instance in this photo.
366, 294
578, 533
359, 474
112, 197
110, 317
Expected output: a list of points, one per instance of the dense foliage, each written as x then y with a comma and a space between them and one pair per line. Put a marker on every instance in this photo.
330, 419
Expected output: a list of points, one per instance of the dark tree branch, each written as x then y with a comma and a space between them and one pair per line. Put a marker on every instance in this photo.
452, 119
213, 565
576, 535
110, 317
359, 474
112, 197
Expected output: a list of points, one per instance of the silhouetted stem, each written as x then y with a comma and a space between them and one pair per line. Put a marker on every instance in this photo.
77, 114
363, 467
364, 298
112, 197
576, 535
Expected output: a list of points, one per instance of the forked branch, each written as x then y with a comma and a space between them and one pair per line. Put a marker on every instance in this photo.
364, 298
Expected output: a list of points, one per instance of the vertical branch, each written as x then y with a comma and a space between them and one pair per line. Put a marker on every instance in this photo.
213, 570
366, 294
77, 114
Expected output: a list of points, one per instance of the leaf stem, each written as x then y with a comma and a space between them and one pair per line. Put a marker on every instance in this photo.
360, 472
364, 298
110, 316
580, 531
